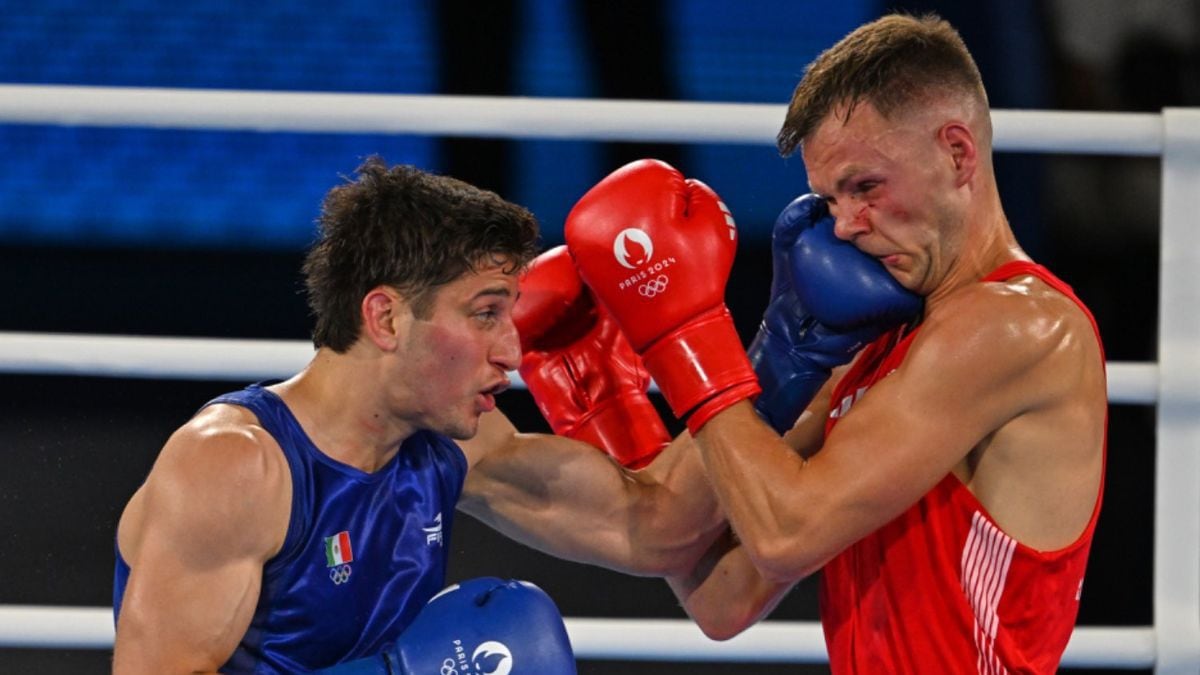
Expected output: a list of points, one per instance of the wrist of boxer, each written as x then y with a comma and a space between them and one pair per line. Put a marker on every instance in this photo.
709, 409
553, 391
702, 362
789, 382
623, 422
628, 428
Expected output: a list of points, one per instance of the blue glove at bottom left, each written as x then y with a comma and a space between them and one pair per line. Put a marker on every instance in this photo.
483, 626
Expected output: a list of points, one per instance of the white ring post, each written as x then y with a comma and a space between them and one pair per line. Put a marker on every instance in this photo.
1177, 481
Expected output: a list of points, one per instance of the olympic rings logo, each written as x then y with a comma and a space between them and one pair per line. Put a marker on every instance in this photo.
340, 575
448, 667
654, 286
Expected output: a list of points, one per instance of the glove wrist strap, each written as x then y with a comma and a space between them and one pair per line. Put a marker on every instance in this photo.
700, 360
627, 428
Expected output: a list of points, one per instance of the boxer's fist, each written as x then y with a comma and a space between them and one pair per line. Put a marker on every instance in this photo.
483, 625
580, 369
656, 250
828, 300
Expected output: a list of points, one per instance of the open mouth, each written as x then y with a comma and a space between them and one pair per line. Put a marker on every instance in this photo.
497, 388
487, 397
486, 403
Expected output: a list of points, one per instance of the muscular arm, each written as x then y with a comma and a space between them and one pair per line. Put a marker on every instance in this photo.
212, 511
976, 366
724, 593
566, 499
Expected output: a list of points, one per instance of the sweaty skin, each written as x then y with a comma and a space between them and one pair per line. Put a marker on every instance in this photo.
1003, 385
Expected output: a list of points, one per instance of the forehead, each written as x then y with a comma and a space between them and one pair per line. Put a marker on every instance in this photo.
865, 141
491, 277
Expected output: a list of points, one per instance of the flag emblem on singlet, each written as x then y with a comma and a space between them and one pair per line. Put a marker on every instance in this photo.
337, 549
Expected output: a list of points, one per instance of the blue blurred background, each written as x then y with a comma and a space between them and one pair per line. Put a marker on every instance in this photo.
214, 189
162, 232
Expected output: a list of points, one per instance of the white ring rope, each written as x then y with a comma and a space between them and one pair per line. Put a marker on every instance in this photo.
509, 117
250, 360
640, 639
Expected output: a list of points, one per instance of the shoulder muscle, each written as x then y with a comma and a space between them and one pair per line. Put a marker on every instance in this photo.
221, 484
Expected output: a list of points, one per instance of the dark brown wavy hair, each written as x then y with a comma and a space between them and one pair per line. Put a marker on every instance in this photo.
408, 229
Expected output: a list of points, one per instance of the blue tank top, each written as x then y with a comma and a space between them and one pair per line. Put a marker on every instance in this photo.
363, 551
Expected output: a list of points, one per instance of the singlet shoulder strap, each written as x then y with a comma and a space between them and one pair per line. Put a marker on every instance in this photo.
1016, 268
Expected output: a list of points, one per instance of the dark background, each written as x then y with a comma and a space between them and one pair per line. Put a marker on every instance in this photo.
158, 232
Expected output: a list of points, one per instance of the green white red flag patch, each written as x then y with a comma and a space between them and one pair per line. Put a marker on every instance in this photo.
337, 549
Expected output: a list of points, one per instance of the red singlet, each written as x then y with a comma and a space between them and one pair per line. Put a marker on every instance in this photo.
942, 589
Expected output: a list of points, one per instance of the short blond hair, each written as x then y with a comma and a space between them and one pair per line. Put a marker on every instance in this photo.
892, 63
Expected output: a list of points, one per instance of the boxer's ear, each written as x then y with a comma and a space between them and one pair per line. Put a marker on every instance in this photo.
385, 317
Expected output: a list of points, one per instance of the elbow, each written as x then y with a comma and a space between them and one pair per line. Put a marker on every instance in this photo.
722, 628
732, 614
781, 560
784, 552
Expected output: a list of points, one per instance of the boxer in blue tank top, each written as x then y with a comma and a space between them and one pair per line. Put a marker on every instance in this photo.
348, 531
304, 525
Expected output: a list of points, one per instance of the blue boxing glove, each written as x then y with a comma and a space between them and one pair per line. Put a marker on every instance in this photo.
828, 300
483, 626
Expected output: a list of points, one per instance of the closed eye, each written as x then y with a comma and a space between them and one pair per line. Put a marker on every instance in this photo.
865, 186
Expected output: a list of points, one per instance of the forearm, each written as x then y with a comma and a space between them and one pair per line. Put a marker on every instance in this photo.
568, 500
759, 483
668, 515
725, 593
681, 517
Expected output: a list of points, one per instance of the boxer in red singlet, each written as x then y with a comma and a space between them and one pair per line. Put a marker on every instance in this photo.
947, 483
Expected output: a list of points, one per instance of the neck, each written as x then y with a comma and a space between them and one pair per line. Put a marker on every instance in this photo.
987, 243
342, 409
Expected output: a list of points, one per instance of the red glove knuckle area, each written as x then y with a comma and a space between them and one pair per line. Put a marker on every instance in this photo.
656, 250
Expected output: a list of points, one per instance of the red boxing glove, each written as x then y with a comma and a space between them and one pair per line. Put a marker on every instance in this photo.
580, 369
656, 251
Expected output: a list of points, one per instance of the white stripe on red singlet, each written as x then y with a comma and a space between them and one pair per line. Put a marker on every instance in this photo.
985, 560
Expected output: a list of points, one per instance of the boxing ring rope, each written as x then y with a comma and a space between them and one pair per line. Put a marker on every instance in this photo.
515, 117
1171, 645
178, 358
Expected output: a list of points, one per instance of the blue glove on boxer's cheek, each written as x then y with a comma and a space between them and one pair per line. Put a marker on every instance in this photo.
828, 300
480, 626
